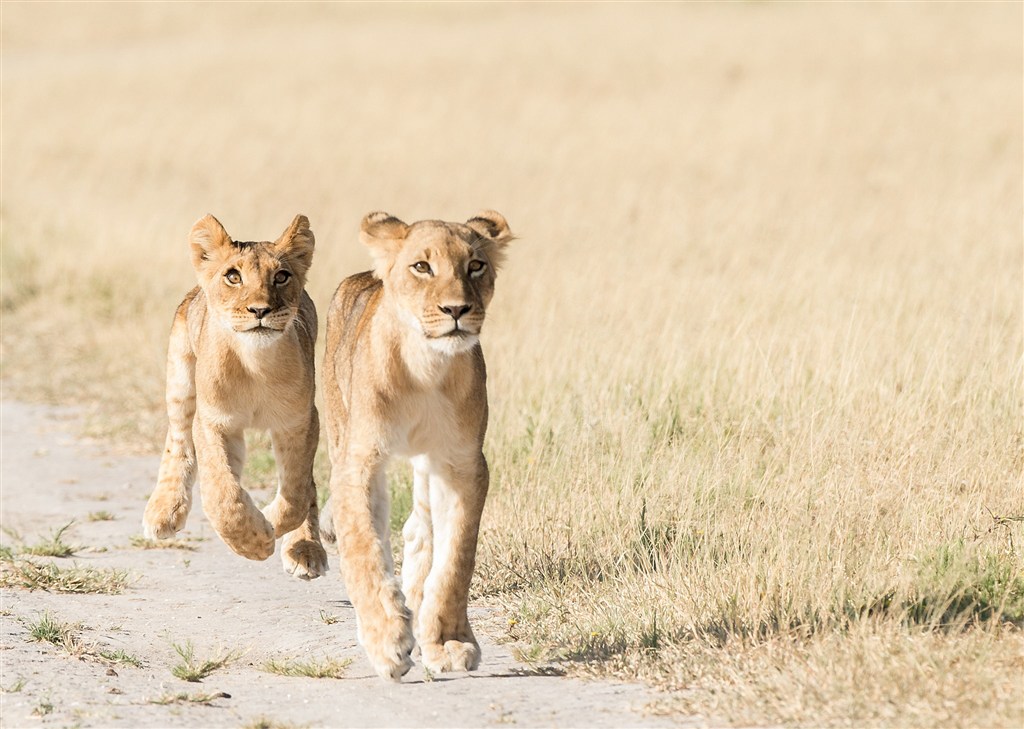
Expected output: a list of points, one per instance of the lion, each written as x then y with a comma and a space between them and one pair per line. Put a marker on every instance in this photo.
404, 376
241, 356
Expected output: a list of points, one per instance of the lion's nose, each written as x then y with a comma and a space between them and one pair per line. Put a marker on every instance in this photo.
455, 310
257, 312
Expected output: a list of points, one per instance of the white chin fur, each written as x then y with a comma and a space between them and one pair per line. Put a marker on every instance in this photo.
259, 339
453, 345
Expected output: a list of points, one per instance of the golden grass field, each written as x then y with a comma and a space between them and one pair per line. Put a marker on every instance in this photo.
756, 359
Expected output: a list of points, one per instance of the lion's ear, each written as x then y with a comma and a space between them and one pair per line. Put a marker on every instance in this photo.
494, 233
297, 243
205, 239
383, 234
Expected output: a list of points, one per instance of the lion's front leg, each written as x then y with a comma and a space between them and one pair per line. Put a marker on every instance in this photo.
227, 505
360, 503
456, 503
294, 450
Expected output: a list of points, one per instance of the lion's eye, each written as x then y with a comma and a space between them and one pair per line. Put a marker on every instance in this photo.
422, 267
233, 277
476, 266
281, 277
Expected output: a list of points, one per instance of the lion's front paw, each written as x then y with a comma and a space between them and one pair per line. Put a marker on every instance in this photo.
388, 642
303, 558
165, 516
254, 542
452, 655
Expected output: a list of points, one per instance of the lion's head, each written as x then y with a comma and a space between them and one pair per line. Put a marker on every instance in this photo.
252, 288
440, 275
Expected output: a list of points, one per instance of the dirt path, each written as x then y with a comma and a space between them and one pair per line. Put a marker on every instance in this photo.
221, 603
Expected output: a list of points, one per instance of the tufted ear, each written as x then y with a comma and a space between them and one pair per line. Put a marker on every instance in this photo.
296, 244
494, 233
383, 234
206, 238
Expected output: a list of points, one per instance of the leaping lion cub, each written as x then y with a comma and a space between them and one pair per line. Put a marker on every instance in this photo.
404, 376
241, 356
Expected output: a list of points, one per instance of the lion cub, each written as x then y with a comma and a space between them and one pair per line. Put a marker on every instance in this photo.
241, 356
404, 376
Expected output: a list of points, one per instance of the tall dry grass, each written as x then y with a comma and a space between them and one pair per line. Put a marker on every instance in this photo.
756, 429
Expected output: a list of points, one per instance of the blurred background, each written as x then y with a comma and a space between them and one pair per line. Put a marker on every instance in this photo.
755, 358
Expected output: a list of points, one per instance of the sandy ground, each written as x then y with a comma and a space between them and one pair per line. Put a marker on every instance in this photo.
222, 603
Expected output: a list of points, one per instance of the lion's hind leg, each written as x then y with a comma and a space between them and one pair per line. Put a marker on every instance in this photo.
457, 498
418, 537
171, 500
302, 553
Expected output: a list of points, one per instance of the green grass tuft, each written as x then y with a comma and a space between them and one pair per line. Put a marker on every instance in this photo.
193, 670
15, 687
958, 585
120, 656
48, 629
52, 546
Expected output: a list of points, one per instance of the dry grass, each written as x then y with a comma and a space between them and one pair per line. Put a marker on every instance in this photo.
140, 542
755, 362
264, 722
327, 618
43, 708
311, 668
122, 657
30, 574
183, 697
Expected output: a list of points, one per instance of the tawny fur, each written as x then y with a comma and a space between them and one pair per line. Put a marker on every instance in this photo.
241, 356
404, 376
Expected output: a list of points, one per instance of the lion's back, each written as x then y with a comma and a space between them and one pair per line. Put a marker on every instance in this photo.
351, 307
